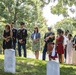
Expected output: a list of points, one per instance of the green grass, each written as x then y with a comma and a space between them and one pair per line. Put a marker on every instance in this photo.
26, 66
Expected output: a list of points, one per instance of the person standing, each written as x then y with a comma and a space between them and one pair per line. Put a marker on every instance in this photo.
74, 50
51, 51
65, 43
14, 35
46, 39
35, 36
7, 38
69, 50
74, 41
59, 45
22, 35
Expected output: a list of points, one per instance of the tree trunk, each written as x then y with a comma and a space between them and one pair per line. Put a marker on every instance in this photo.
16, 11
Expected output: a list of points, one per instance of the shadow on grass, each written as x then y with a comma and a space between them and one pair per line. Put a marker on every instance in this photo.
31, 67
2, 68
68, 70
27, 66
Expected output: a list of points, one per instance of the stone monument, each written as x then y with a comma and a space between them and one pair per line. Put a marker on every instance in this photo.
53, 68
9, 61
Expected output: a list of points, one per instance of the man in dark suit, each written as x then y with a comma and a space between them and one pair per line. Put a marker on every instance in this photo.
74, 41
14, 36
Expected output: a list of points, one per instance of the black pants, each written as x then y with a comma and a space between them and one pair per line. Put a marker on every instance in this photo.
65, 52
19, 49
44, 52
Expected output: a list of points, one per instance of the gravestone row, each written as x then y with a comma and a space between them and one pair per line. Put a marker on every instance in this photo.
10, 64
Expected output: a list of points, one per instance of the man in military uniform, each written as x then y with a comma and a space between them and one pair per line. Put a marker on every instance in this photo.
14, 35
22, 34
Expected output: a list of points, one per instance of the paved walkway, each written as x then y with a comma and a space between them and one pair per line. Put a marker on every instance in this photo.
31, 55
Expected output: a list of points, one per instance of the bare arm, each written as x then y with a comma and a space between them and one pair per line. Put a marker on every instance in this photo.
3, 36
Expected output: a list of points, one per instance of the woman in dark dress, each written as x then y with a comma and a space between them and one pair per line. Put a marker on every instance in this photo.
7, 38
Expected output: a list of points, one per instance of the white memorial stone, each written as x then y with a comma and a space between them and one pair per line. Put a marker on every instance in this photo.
9, 61
53, 68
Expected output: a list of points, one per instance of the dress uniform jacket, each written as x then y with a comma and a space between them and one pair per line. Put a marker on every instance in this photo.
14, 34
22, 34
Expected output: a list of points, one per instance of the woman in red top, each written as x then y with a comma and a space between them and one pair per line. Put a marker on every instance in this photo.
59, 45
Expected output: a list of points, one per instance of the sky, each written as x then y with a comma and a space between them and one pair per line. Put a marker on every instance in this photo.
53, 19
50, 18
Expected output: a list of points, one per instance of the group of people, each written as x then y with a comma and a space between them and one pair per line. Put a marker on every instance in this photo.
11, 35
61, 46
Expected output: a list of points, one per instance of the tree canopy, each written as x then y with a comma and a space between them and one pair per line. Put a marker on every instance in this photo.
21, 10
30, 12
62, 7
66, 24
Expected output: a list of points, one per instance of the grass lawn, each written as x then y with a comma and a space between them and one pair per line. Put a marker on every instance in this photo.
26, 66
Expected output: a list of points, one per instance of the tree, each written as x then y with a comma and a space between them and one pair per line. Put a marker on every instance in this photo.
62, 7
66, 24
28, 11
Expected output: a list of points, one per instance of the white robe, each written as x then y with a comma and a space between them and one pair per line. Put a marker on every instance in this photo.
74, 56
69, 52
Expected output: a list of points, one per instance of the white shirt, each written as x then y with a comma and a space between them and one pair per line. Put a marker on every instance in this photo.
65, 40
34, 36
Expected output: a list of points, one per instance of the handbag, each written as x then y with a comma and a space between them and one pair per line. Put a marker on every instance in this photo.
53, 54
49, 47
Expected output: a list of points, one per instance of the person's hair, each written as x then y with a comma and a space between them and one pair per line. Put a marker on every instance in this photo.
7, 26
49, 28
59, 31
70, 35
22, 23
12, 22
36, 28
62, 32
67, 31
